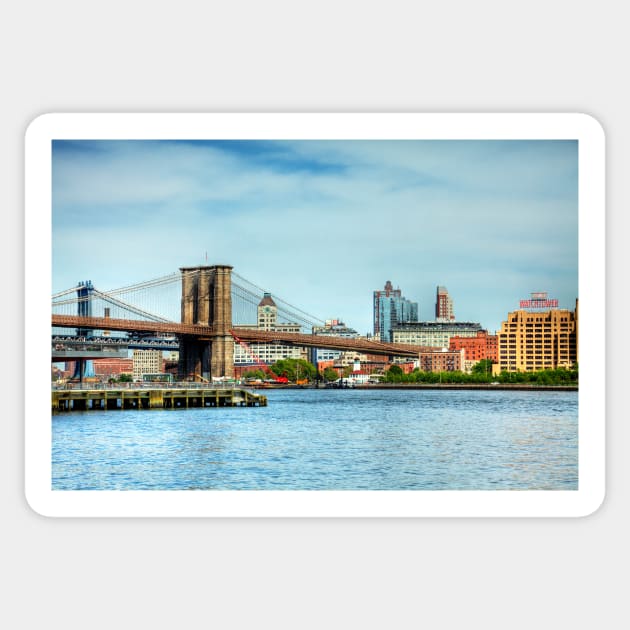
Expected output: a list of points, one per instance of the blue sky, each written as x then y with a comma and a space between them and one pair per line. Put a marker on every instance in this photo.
322, 224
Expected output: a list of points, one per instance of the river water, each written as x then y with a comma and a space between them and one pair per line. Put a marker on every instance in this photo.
328, 440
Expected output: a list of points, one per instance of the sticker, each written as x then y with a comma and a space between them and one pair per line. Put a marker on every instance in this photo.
315, 315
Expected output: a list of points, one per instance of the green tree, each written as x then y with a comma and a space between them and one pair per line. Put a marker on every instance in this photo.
483, 368
330, 374
125, 378
394, 374
259, 374
294, 369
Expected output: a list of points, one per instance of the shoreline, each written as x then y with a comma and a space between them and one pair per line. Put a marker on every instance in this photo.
479, 386
449, 386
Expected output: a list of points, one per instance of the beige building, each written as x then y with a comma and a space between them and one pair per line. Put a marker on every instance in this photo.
530, 341
268, 353
146, 362
350, 358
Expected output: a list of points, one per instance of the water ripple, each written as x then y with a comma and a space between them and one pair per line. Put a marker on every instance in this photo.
328, 440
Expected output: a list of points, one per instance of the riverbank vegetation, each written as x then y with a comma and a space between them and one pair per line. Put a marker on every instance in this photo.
298, 369
292, 369
482, 373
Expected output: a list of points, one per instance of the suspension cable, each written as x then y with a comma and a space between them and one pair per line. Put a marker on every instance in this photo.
311, 319
246, 294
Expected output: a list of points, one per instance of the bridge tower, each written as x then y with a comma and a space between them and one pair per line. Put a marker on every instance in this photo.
207, 301
83, 368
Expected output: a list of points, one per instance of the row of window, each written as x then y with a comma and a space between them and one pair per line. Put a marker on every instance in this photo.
536, 335
537, 346
513, 352
554, 326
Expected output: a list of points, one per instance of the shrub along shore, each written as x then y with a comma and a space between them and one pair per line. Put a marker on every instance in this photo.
482, 374
470, 386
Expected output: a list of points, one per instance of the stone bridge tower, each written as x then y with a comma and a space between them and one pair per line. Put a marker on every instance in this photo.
207, 301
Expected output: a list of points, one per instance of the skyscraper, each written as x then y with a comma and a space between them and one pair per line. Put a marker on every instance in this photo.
391, 308
444, 306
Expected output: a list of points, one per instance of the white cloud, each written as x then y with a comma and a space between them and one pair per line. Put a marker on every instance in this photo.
328, 232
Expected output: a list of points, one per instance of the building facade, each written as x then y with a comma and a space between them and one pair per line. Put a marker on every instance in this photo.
390, 309
434, 334
482, 346
146, 362
268, 353
442, 361
113, 367
444, 306
530, 341
332, 328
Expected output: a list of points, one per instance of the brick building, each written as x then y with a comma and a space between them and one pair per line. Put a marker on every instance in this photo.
112, 367
482, 346
441, 361
443, 306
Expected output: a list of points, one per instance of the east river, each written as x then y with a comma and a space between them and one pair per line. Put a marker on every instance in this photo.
308, 439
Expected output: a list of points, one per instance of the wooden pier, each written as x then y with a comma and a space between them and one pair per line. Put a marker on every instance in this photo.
154, 398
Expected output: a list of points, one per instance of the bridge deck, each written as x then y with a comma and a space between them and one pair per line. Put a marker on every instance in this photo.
245, 334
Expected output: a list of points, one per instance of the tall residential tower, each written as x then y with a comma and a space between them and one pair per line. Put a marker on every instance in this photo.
444, 306
390, 309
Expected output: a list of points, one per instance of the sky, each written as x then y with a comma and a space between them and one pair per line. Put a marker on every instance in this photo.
323, 224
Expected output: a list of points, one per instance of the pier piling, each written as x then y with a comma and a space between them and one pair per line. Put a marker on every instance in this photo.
168, 398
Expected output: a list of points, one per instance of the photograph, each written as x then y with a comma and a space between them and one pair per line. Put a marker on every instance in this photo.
383, 315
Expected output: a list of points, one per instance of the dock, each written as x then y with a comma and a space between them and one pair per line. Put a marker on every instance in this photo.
154, 398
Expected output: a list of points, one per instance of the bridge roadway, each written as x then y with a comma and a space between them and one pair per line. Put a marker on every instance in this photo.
244, 334
71, 347
135, 342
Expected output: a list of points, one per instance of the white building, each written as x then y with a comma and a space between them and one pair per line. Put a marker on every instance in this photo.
268, 353
332, 328
435, 334
356, 378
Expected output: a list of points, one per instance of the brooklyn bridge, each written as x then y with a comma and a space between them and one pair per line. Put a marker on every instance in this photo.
202, 311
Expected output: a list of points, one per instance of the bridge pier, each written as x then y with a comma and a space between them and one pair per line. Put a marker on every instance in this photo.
207, 301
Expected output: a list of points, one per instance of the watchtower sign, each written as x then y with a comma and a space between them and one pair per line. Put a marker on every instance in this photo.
539, 301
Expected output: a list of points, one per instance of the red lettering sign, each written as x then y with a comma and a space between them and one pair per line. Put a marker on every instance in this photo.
538, 303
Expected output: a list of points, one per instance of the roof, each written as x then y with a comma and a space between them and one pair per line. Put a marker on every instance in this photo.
445, 326
266, 300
